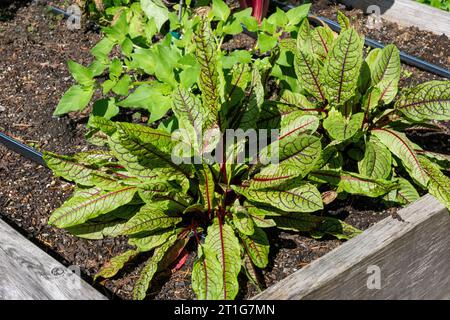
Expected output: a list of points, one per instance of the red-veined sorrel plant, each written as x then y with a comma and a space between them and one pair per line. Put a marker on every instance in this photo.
364, 117
139, 189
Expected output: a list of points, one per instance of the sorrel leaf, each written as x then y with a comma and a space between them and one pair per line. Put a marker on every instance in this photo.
427, 101
401, 147
341, 68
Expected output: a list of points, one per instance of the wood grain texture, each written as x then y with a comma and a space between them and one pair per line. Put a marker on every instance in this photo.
413, 257
28, 273
408, 13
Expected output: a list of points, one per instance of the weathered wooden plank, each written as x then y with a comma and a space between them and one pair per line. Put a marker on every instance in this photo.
413, 257
28, 273
408, 13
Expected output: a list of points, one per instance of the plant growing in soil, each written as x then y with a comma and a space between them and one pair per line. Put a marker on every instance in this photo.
146, 53
164, 190
364, 117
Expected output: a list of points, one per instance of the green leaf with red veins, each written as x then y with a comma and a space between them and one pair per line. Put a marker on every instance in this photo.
342, 128
153, 217
297, 157
427, 101
316, 225
190, 114
257, 247
150, 242
96, 230
113, 266
401, 147
253, 105
303, 198
322, 39
237, 82
288, 44
307, 68
443, 160
404, 194
336, 228
153, 149
370, 102
439, 184
126, 159
377, 160
224, 244
207, 279
385, 72
296, 100
80, 209
151, 267
70, 169
209, 81
161, 188
206, 186
341, 69
242, 221
353, 183
343, 20
304, 34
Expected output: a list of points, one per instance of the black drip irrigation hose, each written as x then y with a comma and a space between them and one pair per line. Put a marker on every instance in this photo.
56, 10
36, 156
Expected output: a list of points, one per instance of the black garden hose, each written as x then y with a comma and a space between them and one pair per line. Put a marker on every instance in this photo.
59, 11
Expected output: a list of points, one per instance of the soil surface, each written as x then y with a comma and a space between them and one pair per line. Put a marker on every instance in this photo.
34, 48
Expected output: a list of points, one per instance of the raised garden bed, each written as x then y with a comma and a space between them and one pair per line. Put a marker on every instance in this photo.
410, 253
28, 193
408, 13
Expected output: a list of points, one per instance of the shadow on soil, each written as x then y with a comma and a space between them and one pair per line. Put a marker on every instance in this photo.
8, 8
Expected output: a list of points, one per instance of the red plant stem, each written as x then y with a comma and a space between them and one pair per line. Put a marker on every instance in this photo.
258, 8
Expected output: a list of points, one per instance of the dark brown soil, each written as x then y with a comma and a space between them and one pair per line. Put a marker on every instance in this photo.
34, 49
